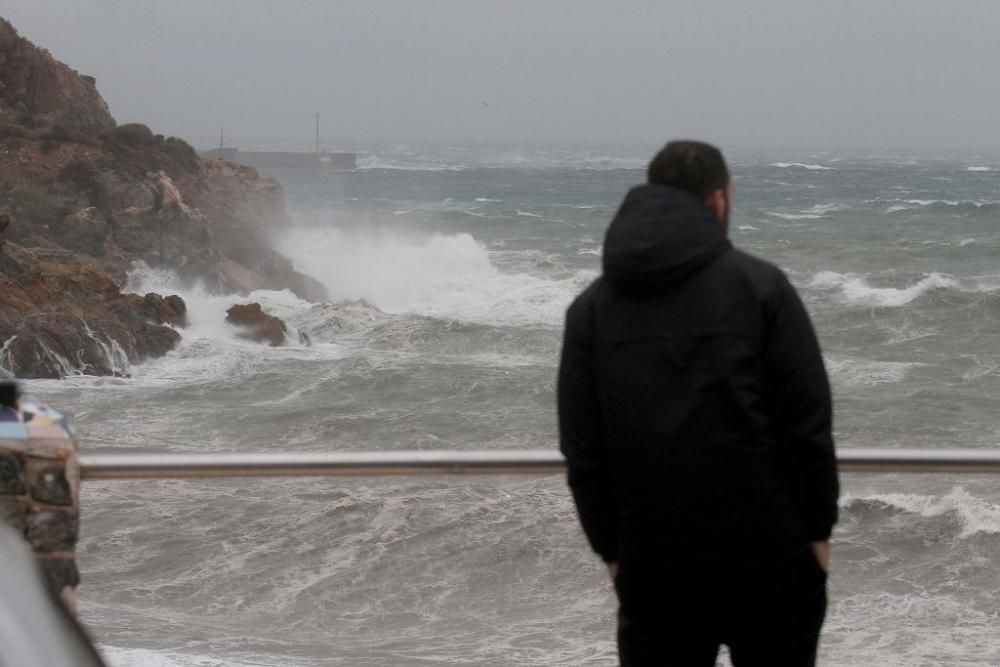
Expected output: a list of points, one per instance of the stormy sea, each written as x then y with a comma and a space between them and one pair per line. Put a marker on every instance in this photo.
450, 269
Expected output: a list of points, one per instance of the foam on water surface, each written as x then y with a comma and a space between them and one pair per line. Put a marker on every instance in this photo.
856, 290
440, 275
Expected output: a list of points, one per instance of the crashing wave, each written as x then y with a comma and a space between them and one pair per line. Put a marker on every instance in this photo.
856, 290
976, 515
801, 165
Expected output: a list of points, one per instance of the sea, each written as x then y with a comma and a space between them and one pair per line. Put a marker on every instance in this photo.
450, 268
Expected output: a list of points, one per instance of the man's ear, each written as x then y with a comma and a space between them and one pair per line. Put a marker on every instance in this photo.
717, 202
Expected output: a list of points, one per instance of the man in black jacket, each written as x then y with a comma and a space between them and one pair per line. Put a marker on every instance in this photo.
695, 418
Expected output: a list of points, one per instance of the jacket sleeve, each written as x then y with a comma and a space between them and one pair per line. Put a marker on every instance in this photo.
801, 408
580, 435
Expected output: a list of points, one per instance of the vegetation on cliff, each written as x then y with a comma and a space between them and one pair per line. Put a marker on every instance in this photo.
82, 199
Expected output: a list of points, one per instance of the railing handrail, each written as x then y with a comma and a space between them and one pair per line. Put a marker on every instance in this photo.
459, 462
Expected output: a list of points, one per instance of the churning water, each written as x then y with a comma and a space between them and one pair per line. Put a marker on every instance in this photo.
450, 269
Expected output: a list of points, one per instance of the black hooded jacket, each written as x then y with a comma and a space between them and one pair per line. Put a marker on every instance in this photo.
694, 408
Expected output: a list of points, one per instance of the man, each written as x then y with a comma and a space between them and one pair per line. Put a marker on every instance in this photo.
695, 418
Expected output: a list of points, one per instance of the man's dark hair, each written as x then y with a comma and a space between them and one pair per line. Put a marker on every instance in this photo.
694, 166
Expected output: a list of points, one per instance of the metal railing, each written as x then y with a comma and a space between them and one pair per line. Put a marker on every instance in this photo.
487, 462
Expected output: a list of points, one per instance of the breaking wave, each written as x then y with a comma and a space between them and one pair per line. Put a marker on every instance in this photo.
856, 290
867, 372
801, 165
944, 204
442, 275
975, 514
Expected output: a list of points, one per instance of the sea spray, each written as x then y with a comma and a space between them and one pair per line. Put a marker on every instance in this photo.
443, 275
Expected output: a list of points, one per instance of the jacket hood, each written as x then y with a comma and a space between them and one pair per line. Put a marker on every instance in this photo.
659, 236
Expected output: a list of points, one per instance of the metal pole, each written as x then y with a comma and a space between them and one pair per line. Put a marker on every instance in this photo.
317, 134
447, 462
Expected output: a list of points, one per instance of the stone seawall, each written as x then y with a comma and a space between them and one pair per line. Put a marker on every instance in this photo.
40, 489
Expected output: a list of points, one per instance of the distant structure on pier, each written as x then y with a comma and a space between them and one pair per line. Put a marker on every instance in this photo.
320, 159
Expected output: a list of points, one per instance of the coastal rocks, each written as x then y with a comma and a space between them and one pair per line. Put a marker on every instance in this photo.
254, 324
82, 201
33, 82
67, 319
54, 345
85, 231
154, 308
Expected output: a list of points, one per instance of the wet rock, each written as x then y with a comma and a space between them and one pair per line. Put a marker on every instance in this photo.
11, 474
51, 486
64, 319
254, 324
54, 345
153, 308
13, 512
53, 530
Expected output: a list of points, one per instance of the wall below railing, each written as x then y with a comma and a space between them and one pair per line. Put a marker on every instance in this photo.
40, 498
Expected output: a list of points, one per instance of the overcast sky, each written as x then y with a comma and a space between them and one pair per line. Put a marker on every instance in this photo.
900, 73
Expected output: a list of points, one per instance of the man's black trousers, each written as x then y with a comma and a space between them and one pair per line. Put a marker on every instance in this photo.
768, 613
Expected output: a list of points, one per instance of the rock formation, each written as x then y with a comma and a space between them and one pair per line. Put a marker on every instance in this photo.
254, 324
59, 319
82, 199
36, 86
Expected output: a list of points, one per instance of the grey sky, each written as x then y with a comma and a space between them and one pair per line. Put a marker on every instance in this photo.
911, 73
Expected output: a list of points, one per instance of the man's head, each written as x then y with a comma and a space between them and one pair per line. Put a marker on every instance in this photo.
698, 168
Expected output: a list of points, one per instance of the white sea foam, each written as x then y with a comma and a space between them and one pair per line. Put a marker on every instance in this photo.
978, 203
443, 275
856, 290
209, 347
976, 514
207, 311
794, 216
831, 207
138, 657
979, 168
867, 372
801, 165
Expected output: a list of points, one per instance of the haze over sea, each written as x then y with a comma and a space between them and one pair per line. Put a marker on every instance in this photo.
450, 270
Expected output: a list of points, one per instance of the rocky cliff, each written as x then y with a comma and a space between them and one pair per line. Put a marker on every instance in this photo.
35, 85
82, 199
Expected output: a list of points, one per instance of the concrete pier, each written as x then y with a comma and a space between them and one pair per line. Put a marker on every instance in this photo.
285, 159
